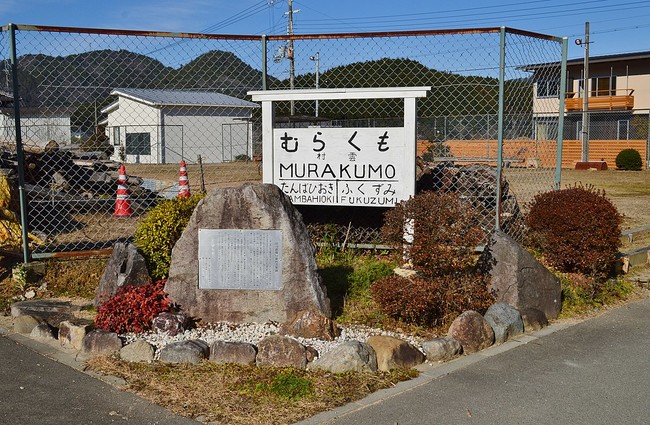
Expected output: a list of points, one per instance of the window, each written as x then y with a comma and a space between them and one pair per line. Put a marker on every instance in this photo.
548, 88
138, 144
603, 86
116, 136
623, 130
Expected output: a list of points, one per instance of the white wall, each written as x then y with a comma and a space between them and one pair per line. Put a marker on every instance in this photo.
135, 117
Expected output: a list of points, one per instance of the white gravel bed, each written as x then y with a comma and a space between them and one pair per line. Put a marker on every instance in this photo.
252, 333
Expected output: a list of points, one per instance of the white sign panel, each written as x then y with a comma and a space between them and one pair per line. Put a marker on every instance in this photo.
240, 259
341, 166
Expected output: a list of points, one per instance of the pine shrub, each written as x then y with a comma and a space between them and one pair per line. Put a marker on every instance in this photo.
133, 308
445, 228
629, 160
577, 229
159, 231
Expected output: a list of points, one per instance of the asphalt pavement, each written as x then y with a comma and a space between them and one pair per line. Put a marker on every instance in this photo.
35, 390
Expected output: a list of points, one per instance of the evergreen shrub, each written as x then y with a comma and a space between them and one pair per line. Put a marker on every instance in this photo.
159, 231
629, 160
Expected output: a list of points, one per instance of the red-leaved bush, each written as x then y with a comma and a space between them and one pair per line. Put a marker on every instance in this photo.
445, 231
133, 308
578, 229
432, 301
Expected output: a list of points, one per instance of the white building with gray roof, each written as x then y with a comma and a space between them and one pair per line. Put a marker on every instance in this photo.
149, 126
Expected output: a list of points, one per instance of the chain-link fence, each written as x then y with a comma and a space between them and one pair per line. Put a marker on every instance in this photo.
610, 132
90, 100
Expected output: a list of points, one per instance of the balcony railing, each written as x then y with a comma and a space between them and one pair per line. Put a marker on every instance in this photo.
601, 100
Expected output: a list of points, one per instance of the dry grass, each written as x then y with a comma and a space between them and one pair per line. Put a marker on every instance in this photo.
628, 190
235, 394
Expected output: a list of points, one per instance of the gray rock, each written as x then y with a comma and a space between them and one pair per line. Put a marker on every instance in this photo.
251, 206
281, 351
518, 279
310, 324
169, 323
43, 331
472, 331
533, 319
505, 321
138, 351
232, 352
48, 310
441, 349
125, 267
192, 351
25, 324
393, 353
71, 334
101, 343
351, 356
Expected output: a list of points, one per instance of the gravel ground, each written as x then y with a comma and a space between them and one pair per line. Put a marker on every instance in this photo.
253, 332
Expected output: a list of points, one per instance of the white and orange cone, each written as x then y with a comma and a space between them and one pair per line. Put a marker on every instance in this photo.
183, 182
122, 202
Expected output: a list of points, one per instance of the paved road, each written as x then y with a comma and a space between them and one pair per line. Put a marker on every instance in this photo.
596, 372
36, 390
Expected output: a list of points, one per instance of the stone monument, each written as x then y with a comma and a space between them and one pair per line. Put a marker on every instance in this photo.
246, 256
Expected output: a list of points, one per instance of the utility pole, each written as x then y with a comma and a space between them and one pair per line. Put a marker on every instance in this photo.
585, 97
292, 65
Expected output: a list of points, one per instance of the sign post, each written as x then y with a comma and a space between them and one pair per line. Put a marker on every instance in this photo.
351, 166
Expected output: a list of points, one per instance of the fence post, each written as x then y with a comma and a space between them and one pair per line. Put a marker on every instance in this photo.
264, 62
20, 156
647, 145
502, 72
560, 121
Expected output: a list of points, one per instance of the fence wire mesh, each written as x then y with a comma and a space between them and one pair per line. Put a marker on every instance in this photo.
91, 100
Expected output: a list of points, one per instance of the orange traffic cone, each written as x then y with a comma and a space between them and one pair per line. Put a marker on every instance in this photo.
122, 202
183, 182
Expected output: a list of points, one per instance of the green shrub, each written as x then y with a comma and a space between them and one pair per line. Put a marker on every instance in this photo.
629, 159
577, 229
446, 232
434, 301
160, 229
132, 308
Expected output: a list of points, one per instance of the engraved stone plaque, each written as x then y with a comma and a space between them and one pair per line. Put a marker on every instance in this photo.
240, 259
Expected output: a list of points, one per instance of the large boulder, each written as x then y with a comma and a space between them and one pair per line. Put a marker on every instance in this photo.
472, 331
138, 351
393, 353
281, 351
518, 279
248, 207
72, 333
351, 356
126, 266
232, 352
441, 349
533, 319
190, 351
505, 321
101, 343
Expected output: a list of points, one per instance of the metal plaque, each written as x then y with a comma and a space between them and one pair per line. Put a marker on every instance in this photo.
240, 259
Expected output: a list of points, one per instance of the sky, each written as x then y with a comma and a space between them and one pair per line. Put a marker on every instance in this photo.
616, 26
